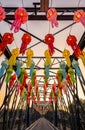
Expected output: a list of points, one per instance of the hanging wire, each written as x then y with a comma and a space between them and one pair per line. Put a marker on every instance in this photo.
51, 3
49, 28
22, 3
49, 22
78, 4
0, 3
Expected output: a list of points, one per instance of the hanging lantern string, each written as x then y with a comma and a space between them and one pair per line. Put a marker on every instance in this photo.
0, 3
78, 4
22, 3
49, 28
51, 3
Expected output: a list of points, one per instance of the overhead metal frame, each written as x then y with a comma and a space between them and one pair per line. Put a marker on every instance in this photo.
10, 92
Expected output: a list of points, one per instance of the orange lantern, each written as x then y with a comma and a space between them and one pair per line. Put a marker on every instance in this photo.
52, 16
79, 16
21, 16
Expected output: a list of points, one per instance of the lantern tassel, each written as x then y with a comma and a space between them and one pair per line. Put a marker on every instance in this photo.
16, 24
54, 22
82, 19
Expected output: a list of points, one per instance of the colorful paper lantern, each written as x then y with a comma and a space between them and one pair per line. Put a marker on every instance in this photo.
63, 67
26, 39
7, 38
19, 64
49, 40
79, 16
21, 16
66, 55
75, 65
48, 58
12, 59
29, 54
72, 41
9, 72
4, 66
52, 16
71, 72
2, 14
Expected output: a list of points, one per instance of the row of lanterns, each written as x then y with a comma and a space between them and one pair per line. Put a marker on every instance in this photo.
71, 40
21, 17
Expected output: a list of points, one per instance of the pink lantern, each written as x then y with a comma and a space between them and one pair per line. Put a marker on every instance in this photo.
52, 16
79, 16
21, 16
2, 14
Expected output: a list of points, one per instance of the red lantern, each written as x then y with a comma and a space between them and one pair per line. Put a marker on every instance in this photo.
26, 39
79, 16
72, 41
21, 16
6, 39
49, 40
2, 14
51, 16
